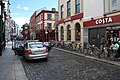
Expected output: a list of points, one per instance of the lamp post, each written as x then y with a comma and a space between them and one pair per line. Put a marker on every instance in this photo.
46, 35
46, 32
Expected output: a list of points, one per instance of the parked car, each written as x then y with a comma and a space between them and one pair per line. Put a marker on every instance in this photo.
18, 47
32, 49
35, 50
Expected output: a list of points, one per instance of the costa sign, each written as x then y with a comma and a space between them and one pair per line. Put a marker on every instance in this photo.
104, 20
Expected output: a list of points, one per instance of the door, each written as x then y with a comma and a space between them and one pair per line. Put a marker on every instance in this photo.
95, 35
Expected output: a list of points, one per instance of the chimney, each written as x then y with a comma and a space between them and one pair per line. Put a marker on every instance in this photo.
53, 9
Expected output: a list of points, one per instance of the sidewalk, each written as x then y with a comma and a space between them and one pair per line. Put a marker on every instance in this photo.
11, 67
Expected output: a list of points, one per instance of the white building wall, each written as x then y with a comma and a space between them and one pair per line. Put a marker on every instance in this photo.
93, 8
109, 8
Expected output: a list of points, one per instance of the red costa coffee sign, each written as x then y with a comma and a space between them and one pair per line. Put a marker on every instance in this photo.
104, 20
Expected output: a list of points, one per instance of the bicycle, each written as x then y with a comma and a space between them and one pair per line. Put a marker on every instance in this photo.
105, 52
78, 48
92, 50
114, 55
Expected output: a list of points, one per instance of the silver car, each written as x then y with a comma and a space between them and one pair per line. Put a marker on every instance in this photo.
35, 50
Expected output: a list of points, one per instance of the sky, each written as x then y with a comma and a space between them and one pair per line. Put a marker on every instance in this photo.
22, 10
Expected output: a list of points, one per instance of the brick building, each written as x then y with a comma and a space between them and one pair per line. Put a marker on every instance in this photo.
26, 31
43, 23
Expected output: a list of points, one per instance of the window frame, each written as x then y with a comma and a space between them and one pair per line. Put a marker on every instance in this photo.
69, 8
49, 16
77, 4
62, 11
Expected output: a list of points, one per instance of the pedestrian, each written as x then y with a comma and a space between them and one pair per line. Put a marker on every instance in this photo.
109, 43
103, 43
119, 48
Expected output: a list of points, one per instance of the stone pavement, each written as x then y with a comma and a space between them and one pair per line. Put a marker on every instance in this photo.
91, 57
11, 67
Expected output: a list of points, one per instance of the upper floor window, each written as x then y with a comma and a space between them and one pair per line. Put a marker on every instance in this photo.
69, 8
77, 6
49, 25
62, 11
49, 16
114, 3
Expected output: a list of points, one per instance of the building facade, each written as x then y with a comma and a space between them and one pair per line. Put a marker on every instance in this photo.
7, 20
83, 22
70, 22
107, 24
2, 26
32, 26
26, 31
44, 24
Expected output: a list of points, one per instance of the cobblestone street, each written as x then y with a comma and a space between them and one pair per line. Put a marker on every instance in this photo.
65, 66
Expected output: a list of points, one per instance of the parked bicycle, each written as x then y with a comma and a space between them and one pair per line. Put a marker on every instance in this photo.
114, 55
104, 51
92, 50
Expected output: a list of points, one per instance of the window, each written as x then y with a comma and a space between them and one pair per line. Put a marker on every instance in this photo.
49, 25
77, 6
69, 8
49, 16
114, 3
52, 34
69, 32
62, 10
35, 45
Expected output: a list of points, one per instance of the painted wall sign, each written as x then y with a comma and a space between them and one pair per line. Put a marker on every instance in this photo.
104, 20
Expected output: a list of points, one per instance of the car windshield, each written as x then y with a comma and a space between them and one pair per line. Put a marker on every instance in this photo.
35, 45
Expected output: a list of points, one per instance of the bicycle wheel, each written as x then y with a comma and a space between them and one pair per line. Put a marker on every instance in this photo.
89, 52
113, 55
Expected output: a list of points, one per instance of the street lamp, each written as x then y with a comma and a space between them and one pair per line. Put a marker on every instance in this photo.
46, 32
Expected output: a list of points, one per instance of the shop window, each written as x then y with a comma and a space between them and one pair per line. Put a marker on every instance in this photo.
113, 35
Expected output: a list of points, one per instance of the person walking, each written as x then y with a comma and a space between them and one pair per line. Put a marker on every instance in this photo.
103, 43
108, 44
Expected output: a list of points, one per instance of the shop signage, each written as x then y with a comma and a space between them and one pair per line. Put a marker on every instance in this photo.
104, 20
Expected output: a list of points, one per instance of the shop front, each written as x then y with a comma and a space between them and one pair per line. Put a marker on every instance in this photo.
109, 27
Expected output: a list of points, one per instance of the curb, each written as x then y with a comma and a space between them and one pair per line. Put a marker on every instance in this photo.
90, 57
19, 70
